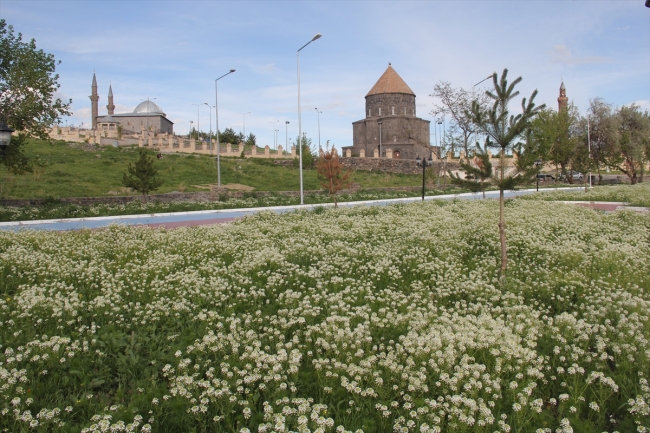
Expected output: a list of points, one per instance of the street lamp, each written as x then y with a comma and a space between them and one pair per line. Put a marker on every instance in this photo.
216, 111
210, 133
286, 135
319, 113
589, 144
244, 114
198, 121
316, 36
274, 140
379, 123
424, 162
5, 137
538, 164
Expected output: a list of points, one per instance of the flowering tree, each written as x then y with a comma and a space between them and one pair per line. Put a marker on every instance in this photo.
334, 176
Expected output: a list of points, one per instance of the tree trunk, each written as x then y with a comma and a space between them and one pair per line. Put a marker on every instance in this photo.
502, 234
502, 219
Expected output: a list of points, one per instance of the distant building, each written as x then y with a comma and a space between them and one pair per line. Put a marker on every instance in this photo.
562, 100
147, 116
391, 124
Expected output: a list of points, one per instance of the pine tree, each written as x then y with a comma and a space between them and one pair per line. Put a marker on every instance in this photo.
502, 131
142, 175
476, 178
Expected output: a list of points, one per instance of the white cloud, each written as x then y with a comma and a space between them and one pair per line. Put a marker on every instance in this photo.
562, 54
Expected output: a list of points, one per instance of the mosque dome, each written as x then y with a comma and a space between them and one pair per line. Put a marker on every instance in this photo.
145, 107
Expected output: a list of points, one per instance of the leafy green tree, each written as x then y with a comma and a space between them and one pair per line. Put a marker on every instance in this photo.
27, 85
558, 136
629, 153
229, 136
142, 175
502, 130
251, 140
308, 153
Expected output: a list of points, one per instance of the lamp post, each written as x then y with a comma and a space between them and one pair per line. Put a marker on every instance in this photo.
589, 147
319, 113
198, 121
538, 164
286, 135
379, 123
216, 113
5, 137
316, 36
210, 133
274, 139
424, 163
244, 114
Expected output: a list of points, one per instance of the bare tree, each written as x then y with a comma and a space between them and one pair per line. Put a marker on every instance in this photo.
457, 103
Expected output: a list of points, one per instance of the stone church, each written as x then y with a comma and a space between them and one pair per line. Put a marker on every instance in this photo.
391, 123
146, 116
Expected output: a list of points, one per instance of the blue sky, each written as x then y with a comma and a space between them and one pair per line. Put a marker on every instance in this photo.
173, 51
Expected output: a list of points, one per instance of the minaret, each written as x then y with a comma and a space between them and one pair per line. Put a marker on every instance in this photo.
94, 98
110, 107
562, 101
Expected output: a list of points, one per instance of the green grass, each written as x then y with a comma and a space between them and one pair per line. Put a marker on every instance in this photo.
66, 170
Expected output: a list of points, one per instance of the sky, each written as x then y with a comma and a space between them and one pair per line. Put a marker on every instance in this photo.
174, 50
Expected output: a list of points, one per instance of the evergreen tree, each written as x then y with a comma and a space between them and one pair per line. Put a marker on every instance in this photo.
476, 178
502, 130
142, 175
251, 140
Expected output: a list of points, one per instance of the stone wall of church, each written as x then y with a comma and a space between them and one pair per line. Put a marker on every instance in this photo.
395, 133
390, 104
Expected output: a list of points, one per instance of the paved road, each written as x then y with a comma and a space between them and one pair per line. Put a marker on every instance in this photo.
184, 219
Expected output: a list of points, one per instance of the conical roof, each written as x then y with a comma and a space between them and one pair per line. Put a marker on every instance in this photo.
390, 82
110, 90
94, 80
562, 86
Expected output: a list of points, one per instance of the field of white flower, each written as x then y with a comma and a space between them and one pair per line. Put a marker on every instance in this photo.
373, 319
635, 195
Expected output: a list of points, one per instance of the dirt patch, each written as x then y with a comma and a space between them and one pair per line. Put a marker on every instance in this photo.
230, 186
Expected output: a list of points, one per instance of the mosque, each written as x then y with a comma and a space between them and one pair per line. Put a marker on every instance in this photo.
147, 116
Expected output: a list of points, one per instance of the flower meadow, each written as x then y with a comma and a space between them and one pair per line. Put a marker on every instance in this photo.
368, 319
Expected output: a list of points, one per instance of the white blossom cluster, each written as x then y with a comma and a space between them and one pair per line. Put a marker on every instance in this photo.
370, 319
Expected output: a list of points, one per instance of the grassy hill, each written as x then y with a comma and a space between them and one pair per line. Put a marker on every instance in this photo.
74, 170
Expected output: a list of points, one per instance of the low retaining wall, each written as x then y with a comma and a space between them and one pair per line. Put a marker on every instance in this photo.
404, 166
172, 197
